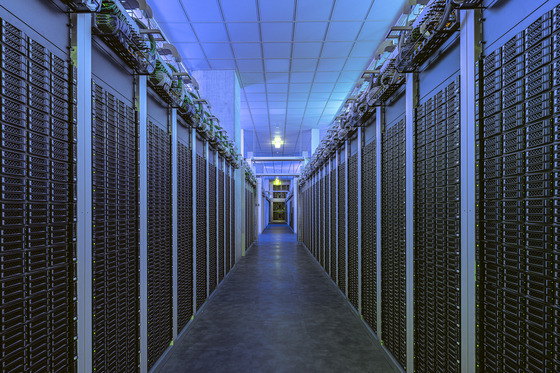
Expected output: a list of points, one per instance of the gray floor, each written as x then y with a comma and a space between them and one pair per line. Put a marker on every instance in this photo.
277, 312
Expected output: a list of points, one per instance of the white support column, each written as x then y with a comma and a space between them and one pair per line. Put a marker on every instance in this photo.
175, 217
142, 102
380, 129
346, 169
261, 205
360, 151
207, 165
411, 98
469, 37
193, 203
84, 194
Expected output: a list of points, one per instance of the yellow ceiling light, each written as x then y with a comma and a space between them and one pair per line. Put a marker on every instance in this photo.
278, 142
277, 181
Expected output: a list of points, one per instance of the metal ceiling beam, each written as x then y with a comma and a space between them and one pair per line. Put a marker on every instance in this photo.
277, 175
278, 159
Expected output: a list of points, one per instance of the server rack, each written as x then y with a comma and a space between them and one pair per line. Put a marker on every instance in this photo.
201, 254
228, 225
159, 242
221, 222
518, 220
115, 233
437, 278
353, 230
393, 260
341, 246
369, 235
37, 212
232, 226
212, 231
185, 236
320, 220
334, 221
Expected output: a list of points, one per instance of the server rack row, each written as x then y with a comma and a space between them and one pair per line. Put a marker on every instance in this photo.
37, 209
250, 213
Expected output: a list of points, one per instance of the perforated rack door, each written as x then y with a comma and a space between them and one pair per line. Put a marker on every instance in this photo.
221, 226
393, 259
212, 231
159, 242
320, 217
115, 233
233, 226
228, 226
369, 234
341, 228
437, 277
353, 230
37, 208
334, 238
185, 236
518, 198
201, 254
326, 222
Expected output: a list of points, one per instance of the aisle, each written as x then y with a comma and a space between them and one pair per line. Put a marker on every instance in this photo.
277, 312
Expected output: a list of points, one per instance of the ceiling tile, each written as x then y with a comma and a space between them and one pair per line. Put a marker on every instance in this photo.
385, 10
343, 31
277, 77
258, 105
178, 32
299, 87
217, 50
322, 87
304, 64
244, 32
336, 96
313, 10
342, 87
222, 64
276, 96
339, 49
278, 65
247, 50
323, 97
316, 104
277, 31
240, 10
331, 64
301, 77
356, 64
258, 87
190, 50
351, 10
198, 64
349, 77
250, 65
274, 10
203, 11
277, 50
326, 77
277, 106
210, 32
364, 48
277, 88
170, 11
307, 50
300, 96
373, 31
256, 97
310, 31
251, 78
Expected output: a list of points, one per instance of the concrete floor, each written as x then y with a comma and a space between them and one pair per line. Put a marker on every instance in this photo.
277, 312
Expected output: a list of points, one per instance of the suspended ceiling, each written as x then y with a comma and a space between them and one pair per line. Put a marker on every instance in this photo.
297, 60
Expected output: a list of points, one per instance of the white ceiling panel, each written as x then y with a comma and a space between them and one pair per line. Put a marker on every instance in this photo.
244, 32
307, 50
310, 31
276, 31
239, 10
277, 50
210, 32
297, 60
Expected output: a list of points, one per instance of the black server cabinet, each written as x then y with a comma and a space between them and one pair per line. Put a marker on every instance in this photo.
212, 231
320, 221
228, 226
37, 208
201, 234
353, 270
518, 198
221, 225
333, 217
437, 277
115, 233
369, 234
326, 221
159, 243
184, 236
341, 227
393, 251
233, 226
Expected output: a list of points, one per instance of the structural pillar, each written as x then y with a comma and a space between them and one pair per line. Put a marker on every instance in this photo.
261, 205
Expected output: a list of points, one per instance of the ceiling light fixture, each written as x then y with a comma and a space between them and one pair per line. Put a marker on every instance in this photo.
278, 142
